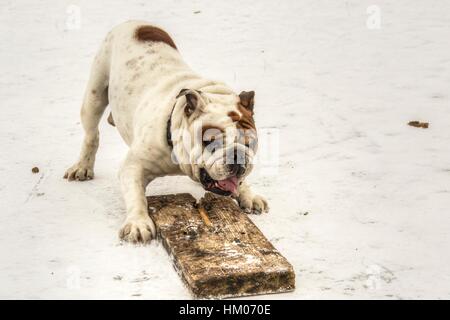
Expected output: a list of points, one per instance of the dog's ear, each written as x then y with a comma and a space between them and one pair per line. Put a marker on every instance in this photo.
193, 100
247, 99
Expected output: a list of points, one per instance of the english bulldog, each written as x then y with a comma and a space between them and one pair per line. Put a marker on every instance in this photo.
174, 121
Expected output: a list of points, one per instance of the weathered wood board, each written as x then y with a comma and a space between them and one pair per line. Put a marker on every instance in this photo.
219, 252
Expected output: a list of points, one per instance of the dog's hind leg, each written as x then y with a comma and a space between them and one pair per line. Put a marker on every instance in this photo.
94, 104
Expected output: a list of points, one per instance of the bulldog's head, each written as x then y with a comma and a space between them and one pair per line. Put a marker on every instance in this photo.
217, 139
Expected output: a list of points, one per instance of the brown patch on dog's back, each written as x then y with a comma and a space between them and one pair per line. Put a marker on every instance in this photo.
150, 33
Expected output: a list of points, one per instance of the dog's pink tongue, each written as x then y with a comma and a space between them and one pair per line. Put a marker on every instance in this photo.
229, 184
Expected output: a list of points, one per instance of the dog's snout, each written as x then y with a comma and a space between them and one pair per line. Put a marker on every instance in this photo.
237, 166
236, 169
239, 156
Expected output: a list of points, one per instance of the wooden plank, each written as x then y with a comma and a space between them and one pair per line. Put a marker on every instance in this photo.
216, 248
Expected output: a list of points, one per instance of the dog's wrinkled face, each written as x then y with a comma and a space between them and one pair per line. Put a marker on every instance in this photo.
218, 139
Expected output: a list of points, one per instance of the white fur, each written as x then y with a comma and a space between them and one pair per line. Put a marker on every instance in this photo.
140, 82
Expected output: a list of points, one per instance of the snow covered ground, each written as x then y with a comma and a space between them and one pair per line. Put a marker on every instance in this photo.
360, 203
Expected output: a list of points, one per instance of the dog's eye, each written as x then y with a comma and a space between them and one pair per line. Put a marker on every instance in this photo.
251, 144
207, 143
212, 144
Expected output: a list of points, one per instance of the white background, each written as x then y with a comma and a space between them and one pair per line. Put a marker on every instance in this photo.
339, 90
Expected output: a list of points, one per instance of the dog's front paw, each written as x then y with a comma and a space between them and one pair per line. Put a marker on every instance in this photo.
80, 172
138, 230
253, 203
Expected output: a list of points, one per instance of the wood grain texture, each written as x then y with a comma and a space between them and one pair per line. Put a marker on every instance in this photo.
227, 256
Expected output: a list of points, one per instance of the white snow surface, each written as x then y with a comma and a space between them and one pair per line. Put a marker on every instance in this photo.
360, 203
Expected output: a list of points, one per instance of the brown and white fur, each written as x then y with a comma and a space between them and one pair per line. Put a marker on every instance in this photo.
140, 74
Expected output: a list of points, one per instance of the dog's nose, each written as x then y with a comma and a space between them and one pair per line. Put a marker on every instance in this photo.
237, 169
239, 156
237, 166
